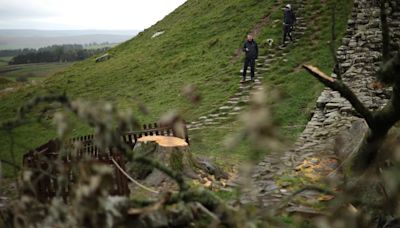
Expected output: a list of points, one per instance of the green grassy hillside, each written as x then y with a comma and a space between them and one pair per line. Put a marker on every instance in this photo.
198, 47
35, 71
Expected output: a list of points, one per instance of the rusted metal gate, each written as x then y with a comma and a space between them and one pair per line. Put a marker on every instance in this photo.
42, 159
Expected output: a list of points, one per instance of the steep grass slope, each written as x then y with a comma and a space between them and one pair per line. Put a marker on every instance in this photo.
298, 90
199, 41
198, 48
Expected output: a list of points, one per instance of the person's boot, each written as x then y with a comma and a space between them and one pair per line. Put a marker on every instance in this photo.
243, 80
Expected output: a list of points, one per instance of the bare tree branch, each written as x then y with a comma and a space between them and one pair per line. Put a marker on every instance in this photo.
344, 90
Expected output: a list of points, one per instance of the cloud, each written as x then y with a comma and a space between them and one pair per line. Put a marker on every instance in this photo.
23, 9
87, 14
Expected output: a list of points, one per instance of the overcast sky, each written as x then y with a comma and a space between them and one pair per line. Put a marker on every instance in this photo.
84, 14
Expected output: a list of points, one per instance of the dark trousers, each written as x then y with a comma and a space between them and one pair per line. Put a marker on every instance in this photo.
249, 62
287, 31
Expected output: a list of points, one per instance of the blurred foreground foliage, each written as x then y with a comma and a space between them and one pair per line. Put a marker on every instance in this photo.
90, 204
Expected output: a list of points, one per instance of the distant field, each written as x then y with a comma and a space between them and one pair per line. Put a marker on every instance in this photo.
100, 46
4, 60
17, 41
31, 71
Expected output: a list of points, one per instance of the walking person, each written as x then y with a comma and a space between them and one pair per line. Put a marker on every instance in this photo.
250, 47
289, 19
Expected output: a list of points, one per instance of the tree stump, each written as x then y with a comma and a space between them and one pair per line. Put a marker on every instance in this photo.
173, 152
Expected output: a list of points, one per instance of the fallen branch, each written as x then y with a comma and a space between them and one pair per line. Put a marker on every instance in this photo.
344, 91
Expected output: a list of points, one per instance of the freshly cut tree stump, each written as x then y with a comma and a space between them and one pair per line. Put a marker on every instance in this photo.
164, 141
173, 152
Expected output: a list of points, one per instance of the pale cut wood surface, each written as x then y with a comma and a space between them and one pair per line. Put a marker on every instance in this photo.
164, 141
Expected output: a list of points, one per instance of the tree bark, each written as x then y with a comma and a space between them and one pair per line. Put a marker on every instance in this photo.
173, 152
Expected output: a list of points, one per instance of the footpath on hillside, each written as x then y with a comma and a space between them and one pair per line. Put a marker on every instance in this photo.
235, 104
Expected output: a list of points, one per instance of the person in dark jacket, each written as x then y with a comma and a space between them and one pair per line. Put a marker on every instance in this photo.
289, 19
250, 47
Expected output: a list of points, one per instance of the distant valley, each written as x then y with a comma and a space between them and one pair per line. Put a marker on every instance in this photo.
17, 39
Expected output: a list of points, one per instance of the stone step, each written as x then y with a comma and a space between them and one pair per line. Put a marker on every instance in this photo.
243, 102
233, 102
214, 115
239, 94
269, 61
236, 109
245, 87
234, 98
300, 28
209, 120
222, 118
257, 84
212, 123
298, 33
225, 108
263, 69
233, 113
248, 72
246, 98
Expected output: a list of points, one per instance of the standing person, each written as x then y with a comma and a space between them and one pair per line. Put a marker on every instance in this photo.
289, 19
250, 47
